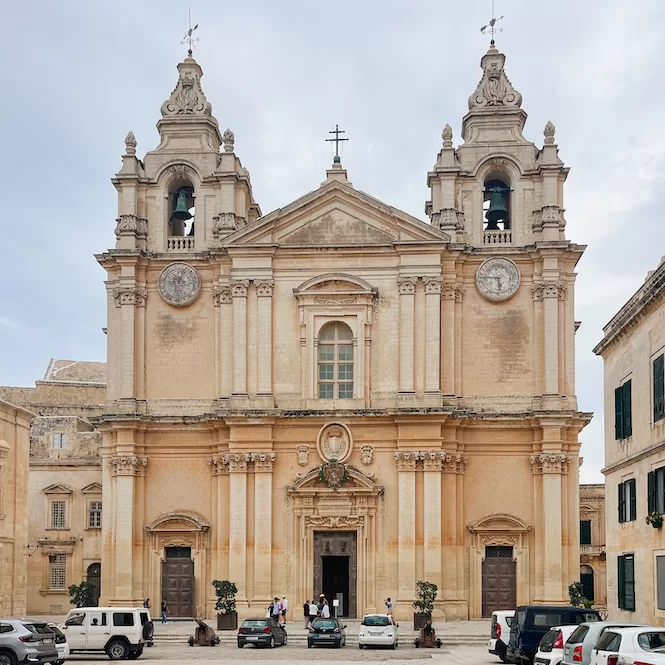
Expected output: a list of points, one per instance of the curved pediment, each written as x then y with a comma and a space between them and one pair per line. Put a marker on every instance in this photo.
499, 522
356, 480
179, 521
336, 282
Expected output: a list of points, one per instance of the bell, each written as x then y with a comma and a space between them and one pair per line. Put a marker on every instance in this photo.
181, 212
497, 210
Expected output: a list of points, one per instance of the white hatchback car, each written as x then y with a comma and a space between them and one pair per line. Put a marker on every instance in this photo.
618, 641
60, 644
550, 649
500, 635
378, 630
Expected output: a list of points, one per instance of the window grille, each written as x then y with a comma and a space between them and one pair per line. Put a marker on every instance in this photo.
335, 361
179, 552
498, 552
59, 440
95, 515
58, 571
58, 514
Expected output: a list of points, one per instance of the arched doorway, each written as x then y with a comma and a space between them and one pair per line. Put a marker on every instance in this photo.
94, 577
586, 579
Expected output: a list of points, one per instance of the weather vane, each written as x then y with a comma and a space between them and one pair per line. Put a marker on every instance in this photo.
188, 38
490, 28
337, 131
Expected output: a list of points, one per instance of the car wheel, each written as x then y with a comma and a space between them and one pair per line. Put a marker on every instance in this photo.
190, 641
272, 641
117, 650
7, 658
503, 657
309, 645
133, 655
360, 646
394, 646
286, 639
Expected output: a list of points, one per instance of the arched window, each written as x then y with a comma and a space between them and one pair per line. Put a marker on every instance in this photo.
335, 362
586, 578
94, 578
181, 211
496, 206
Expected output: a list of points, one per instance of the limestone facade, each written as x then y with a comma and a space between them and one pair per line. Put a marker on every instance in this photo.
592, 543
14, 456
632, 350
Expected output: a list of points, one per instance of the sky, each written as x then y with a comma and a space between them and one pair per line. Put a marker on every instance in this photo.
79, 75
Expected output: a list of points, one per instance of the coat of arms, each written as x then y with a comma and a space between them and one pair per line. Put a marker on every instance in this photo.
333, 473
334, 442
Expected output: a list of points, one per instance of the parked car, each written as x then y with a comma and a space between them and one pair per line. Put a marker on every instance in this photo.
326, 632
60, 644
655, 657
26, 641
500, 635
550, 649
121, 632
531, 622
262, 633
632, 640
577, 650
378, 630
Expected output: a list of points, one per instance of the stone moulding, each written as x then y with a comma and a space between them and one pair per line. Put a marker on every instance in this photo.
128, 465
550, 463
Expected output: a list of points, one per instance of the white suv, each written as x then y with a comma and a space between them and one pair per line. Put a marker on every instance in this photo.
121, 632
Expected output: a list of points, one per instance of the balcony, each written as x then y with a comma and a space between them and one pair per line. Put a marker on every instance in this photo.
497, 237
592, 550
180, 244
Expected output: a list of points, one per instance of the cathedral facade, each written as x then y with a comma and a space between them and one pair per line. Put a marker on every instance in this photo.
336, 396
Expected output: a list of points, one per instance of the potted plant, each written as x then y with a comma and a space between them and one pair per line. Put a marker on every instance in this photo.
226, 591
575, 594
426, 592
82, 595
655, 519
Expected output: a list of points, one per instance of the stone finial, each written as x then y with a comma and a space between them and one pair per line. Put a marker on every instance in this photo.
549, 133
130, 143
228, 138
187, 97
447, 136
495, 88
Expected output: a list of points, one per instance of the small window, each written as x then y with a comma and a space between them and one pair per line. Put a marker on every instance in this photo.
75, 619
97, 619
628, 501
658, 388
656, 490
578, 635
123, 619
6, 628
335, 361
626, 575
59, 440
649, 641
585, 532
609, 642
623, 419
144, 618
58, 514
58, 571
95, 514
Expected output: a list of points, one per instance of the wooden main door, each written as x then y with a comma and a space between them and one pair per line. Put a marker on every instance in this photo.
336, 569
178, 581
499, 580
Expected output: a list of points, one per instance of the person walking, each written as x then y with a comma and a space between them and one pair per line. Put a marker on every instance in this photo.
275, 609
389, 606
325, 610
285, 608
165, 609
313, 613
305, 613
146, 603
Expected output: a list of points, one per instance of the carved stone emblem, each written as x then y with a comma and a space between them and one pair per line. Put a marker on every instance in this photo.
334, 442
495, 88
498, 279
333, 474
367, 455
303, 455
179, 284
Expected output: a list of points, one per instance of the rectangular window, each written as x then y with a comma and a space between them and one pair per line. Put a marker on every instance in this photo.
59, 440
57, 573
345, 391
623, 419
585, 532
626, 575
58, 515
326, 390
123, 619
95, 514
656, 490
660, 581
658, 388
628, 501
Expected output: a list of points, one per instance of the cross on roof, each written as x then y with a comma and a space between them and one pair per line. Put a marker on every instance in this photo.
188, 38
491, 26
337, 131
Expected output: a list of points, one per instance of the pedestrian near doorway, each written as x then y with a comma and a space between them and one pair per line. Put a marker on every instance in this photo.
146, 603
313, 613
325, 610
305, 613
389, 606
275, 609
165, 609
285, 607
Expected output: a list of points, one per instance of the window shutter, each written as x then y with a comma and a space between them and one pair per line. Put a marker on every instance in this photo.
658, 388
629, 578
621, 578
622, 501
627, 415
618, 413
585, 532
651, 482
632, 486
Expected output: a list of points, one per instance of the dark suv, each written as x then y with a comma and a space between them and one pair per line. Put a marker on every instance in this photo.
531, 622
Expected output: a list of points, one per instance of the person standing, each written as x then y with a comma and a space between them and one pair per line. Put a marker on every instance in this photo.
275, 609
389, 606
325, 610
146, 603
285, 608
313, 613
165, 609
305, 613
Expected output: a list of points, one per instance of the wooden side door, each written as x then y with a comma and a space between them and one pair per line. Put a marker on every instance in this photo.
499, 579
178, 586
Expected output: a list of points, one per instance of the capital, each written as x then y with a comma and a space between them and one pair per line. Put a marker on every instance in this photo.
221, 295
407, 285
239, 288
236, 462
407, 459
223, 223
550, 463
263, 462
433, 459
217, 465
128, 465
264, 287
130, 296
131, 225
432, 285
455, 463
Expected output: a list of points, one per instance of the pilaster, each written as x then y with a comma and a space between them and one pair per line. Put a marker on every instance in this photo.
128, 298
263, 502
239, 291
407, 302
432, 333
264, 292
406, 491
237, 465
432, 467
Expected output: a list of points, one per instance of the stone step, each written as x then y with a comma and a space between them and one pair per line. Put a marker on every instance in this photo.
350, 639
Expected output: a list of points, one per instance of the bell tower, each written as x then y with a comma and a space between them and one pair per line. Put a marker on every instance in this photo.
497, 189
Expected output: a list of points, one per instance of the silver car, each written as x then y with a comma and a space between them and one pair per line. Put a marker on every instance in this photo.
577, 650
26, 641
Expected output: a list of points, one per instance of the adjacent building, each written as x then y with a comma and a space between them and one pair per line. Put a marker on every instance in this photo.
592, 544
633, 351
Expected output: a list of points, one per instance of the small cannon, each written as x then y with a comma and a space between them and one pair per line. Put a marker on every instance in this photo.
427, 638
204, 636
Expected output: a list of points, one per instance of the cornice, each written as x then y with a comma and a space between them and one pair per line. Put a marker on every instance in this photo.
635, 457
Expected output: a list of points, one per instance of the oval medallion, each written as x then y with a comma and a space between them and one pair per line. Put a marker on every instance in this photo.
334, 442
498, 279
179, 284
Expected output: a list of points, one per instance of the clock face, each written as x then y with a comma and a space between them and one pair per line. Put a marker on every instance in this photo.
498, 279
179, 284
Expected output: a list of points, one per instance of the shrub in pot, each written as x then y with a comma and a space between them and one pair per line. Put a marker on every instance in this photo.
426, 593
226, 591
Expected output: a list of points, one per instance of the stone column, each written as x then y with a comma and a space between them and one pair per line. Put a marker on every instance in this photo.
124, 469
127, 299
407, 304
220, 531
551, 337
406, 555
239, 289
448, 359
264, 292
432, 466
432, 333
263, 467
237, 463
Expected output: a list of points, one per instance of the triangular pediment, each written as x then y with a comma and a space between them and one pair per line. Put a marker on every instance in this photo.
58, 489
92, 488
336, 215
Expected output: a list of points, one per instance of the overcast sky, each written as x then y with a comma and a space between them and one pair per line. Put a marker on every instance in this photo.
280, 74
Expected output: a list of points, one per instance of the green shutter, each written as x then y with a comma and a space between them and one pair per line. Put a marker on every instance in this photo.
632, 487
658, 388
629, 581
622, 502
627, 414
585, 532
621, 578
618, 413
651, 492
